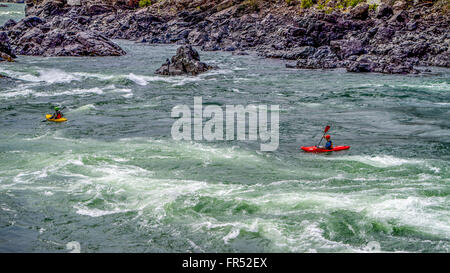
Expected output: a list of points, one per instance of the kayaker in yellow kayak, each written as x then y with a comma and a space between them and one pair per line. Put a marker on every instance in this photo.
57, 114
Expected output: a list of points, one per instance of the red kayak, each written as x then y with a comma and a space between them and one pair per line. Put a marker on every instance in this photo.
314, 149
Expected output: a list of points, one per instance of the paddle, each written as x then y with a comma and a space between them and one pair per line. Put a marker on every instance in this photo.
324, 132
59, 109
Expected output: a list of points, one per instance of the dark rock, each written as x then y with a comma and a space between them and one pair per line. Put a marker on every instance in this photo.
210, 46
230, 48
400, 5
45, 9
400, 16
385, 33
29, 22
5, 57
411, 26
384, 10
300, 52
5, 46
360, 67
58, 42
347, 48
288, 65
361, 11
387, 43
186, 61
297, 32
10, 23
97, 9
442, 60
323, 57
370, 63
197, 37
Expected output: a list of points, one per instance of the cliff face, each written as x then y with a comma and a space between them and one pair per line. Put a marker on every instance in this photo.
387, 36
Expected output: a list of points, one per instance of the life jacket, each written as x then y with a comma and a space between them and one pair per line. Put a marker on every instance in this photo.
329, 144
58, 115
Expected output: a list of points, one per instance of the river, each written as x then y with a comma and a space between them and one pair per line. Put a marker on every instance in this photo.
112, 179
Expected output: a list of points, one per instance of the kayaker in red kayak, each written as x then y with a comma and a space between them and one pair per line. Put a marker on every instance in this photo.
329, 144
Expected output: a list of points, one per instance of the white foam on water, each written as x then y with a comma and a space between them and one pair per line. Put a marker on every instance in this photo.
49, 76
16, 92
77, 91
28, 92
185, 80
216, 72
194, 245
310, 104
372, 246
236, 68
5, 208
141, 191
86, 75
140, 80
11, 12
234, 233
380, 161
74, 247
94, 212
83, 108
412, 211
432, 86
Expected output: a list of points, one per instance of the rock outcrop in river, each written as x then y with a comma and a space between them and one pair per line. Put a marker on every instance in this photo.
388, 39
186, 61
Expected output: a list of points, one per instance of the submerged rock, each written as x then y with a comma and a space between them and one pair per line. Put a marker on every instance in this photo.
185, 61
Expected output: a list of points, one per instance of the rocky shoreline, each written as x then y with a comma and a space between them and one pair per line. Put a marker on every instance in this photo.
389, 39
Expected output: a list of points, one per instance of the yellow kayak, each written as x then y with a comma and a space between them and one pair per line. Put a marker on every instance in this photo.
48, 117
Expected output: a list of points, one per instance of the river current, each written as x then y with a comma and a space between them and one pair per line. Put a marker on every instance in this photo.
112, 179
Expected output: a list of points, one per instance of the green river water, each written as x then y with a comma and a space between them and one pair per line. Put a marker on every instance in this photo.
112, 179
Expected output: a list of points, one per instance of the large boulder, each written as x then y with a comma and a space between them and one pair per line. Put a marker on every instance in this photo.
97, 9
6, 52
58, 36
368, 63
347, 48
5, 57
186, 61
59, 42
384, 10
361, 11
5, 45
323, 57
46, 8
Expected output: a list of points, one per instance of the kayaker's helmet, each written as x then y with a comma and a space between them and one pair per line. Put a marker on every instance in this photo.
56, 108
327, 137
